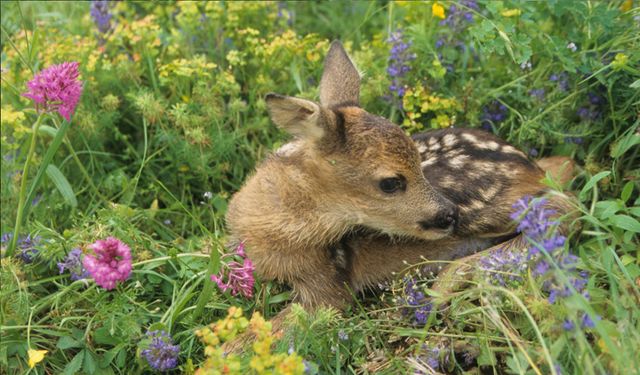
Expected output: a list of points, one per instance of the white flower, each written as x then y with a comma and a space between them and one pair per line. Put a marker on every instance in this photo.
572, 46
207, 195
525, 65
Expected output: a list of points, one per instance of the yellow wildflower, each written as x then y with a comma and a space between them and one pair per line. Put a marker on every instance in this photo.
626, 5
511, 12
437, 10
620, 61
35, 357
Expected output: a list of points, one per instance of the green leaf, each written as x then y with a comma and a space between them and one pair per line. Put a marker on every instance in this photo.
626, 191
635, 84
102, 336
89, 365
590, 184
48, 130
625, 222
67, 342
624, 144
74, 366
46, 160
62, 185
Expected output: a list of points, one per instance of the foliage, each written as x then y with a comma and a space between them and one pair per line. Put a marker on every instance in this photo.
172, 120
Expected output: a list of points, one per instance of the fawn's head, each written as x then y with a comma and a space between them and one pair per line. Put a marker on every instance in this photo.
363, 167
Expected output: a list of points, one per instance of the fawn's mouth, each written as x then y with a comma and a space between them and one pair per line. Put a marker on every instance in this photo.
435, 233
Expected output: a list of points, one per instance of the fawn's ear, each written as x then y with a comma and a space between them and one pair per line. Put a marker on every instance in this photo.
340, 83
299, 117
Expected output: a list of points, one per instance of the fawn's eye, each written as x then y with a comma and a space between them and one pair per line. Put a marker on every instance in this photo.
393, 184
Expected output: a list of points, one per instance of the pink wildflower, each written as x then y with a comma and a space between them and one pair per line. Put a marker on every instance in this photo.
111, 263
239, 276
56, 88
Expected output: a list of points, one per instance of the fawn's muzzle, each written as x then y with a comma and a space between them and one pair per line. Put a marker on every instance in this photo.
443, 220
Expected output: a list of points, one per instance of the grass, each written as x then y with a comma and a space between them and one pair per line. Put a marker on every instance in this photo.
172, 108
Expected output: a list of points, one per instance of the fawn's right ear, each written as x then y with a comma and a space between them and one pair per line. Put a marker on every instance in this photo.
299, 117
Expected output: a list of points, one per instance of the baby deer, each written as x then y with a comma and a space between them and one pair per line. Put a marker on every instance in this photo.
352, 198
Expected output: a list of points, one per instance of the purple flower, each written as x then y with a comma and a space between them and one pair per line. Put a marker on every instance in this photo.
562, 79
537, 93
73, 264
587, 322
110, 264
504, 267
415, 303
492, 114
56, 88
162, 354
575, 140
239, 275
101, 15
568, 325
26, 246
399, 60
431, 357
459, 19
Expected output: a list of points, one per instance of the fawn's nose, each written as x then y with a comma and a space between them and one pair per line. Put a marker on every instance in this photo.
444, 220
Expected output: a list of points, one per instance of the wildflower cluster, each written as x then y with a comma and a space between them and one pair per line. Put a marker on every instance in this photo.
73, 264
493, 114
420, 106
101, 15
399, 63
239, 276
56, 88
110, 262
504, 267
459, 18
553, 267
262, 361
415, 304
161, 353
27, 246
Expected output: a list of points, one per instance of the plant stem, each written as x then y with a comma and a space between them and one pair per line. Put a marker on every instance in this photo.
23, 186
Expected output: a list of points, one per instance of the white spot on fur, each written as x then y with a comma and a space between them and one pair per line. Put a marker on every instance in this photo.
449, 140
435, 147
428, 162
447, 182
511, 150
491, 145
489, 193
422, 147
432, 141
288, 149
459, 161
470, 138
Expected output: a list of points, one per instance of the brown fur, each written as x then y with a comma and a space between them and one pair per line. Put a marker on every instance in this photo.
314, 216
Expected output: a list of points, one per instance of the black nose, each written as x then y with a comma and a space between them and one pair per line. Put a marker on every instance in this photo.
443, 220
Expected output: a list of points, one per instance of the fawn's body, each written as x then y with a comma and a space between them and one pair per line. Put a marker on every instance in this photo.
352, 200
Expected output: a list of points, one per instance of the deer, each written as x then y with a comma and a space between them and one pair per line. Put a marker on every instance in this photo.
352, 199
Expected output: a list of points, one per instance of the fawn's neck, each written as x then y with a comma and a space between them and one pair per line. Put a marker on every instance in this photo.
280, 207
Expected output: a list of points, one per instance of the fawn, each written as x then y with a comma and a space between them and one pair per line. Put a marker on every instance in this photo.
352, 198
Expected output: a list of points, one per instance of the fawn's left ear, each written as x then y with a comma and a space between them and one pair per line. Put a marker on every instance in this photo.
340, 83
299, 117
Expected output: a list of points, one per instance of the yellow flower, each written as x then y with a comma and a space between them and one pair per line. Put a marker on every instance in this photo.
511, 12
437, 10
620, 61
626, 5
35, 357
